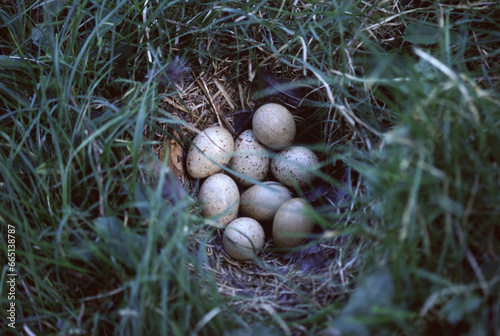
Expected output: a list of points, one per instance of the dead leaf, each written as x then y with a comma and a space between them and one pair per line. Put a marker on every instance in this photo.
173, 152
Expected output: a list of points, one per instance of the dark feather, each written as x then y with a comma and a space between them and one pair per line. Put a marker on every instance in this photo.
175, 72
242, 120
282, 90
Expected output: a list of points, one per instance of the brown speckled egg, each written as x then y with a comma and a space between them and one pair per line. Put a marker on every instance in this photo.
261, 201
291, 225
295, 165
250, 158
220, 199
210, 149
243, 238
274, 126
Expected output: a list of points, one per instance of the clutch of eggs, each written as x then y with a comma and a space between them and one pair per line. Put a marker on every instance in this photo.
248, 158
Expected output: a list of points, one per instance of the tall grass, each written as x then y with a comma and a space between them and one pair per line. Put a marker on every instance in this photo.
69, 181
402, 105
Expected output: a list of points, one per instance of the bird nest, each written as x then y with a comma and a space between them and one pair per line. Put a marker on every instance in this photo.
312, 276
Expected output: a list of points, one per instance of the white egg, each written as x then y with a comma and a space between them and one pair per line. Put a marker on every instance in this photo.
274, 126
243, 238
220, 199
295, 165
209, 150
291, 224
250, 159
261, 201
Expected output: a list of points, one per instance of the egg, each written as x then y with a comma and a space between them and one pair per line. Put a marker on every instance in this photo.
291, 224
261, 201
210, 150
295, 165
274, 126
243, 238
220, 199
250, 159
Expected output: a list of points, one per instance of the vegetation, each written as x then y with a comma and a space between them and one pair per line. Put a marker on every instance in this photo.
400, 99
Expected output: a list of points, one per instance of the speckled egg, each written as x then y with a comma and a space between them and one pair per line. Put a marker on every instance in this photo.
220, 199
295, 165
243, 238
250, 159
291, 225
261, 201
209, 150
274, 126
